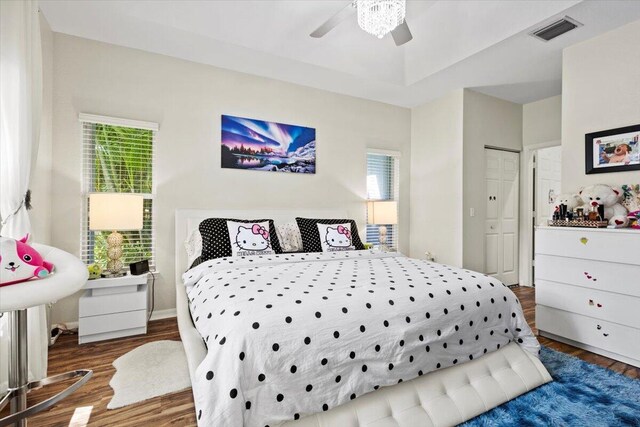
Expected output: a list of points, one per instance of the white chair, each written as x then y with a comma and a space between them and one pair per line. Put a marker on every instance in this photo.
69, 276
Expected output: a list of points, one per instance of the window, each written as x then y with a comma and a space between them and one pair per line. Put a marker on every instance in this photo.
383, 184
117, 157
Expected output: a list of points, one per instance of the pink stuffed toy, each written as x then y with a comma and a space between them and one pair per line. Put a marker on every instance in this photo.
19, 262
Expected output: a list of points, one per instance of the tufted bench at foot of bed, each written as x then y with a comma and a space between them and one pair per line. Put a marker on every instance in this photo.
441, 398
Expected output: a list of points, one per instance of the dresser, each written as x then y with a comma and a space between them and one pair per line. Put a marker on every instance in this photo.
588, 289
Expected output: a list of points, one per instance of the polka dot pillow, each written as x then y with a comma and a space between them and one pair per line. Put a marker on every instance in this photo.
289, 237
215, 237
193, 246
311, 241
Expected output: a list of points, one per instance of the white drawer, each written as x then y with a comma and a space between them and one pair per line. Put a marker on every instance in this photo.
605, 276
608, 336
615, 308
92, 305
112, 322
619, 246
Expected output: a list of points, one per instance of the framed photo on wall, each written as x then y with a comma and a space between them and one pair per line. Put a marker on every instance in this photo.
613, 150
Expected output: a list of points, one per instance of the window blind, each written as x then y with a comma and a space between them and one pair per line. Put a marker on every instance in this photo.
383, 184
118, 157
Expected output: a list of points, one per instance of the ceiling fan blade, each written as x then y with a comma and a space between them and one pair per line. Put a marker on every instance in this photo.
401, 34
332, 22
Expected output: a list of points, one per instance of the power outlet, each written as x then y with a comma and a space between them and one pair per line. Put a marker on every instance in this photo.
472, 212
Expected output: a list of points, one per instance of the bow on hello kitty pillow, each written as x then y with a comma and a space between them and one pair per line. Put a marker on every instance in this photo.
335, 237
19, 262
248, 239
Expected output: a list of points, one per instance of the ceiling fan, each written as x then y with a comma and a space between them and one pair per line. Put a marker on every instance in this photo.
376, 17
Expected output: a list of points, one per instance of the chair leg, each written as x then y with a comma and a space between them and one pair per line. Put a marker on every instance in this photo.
17, 417
18, 365
19, 384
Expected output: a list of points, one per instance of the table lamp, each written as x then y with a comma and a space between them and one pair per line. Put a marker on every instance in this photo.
383, 213
115, 212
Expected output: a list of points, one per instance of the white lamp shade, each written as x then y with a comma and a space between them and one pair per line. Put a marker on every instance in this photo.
382, 212
115, 211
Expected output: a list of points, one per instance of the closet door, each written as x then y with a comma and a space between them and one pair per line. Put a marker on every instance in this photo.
501, 229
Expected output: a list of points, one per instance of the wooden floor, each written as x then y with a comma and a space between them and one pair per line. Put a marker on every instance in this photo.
177, 409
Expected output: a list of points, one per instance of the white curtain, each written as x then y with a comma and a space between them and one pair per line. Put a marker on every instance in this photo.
20, 111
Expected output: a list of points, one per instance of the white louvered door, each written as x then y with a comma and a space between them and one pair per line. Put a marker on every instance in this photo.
501, 228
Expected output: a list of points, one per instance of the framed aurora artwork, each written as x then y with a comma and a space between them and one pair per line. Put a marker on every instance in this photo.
267, 146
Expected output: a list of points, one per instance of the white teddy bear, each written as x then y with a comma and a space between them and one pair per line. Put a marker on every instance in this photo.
572, 201
610, 197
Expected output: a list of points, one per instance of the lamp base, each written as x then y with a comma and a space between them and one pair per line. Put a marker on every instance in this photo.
114, 252
382, 238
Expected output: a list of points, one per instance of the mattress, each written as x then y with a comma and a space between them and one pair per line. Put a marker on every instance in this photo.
295, 334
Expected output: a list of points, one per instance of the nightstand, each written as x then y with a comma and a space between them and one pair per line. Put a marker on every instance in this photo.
113, 308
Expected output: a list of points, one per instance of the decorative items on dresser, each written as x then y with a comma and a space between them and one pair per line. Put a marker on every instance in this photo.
113, 308
588, 289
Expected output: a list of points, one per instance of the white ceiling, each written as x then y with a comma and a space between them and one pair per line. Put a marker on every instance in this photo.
482, 45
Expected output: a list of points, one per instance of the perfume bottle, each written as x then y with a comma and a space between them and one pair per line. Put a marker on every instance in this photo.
593, 214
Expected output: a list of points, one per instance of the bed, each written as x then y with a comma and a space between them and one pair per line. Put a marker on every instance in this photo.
363, 339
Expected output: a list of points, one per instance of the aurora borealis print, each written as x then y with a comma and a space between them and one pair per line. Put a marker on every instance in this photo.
268, 146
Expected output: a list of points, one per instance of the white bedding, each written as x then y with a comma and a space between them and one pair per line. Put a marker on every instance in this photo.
293, 334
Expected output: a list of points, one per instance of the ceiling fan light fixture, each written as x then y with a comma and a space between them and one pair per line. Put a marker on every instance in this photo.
380, 17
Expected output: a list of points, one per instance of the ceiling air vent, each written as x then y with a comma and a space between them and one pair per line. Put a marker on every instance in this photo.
555, 29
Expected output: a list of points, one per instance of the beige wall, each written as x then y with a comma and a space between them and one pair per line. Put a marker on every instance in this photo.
600, 91
488, 121
436, 179
448, 137
40, 185
187, 100
542, 121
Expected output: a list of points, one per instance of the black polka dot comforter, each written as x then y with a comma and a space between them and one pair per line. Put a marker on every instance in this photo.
294, 334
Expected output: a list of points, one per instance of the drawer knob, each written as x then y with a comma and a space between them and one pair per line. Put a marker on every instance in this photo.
599, 327
584, 240
606, 335
599, 305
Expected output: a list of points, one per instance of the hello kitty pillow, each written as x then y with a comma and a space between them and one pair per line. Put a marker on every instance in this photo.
248, 239
336, 237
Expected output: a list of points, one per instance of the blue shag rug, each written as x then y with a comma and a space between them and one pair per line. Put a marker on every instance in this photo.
581, 394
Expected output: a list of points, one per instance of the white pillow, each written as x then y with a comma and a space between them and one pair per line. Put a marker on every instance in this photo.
335, 237
193, 246
249, 238
289, 237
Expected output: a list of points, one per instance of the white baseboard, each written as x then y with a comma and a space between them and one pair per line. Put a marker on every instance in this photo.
163, 314
156, 315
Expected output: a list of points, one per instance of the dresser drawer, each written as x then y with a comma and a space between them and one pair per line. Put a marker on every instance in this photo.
91, 305
619, 246
112, 322
608, 336
600, 305
604, 276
